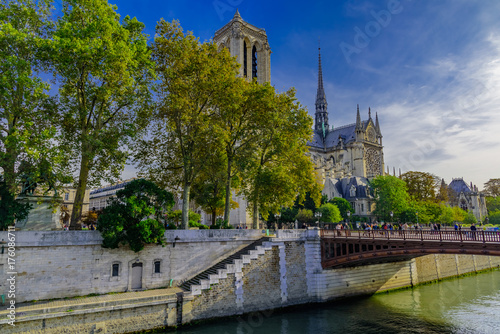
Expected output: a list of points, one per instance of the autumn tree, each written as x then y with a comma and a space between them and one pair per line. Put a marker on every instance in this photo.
279, 169
442, 195
27, 113
104, 67
192, 80
492, 187
421, 186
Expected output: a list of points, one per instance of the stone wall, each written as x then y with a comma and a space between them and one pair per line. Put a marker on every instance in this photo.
60, 264
282, 272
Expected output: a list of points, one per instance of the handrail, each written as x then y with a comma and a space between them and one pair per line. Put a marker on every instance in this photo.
461, 236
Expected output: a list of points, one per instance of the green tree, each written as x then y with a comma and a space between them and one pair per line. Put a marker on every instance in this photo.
390, 195
27, 114
470, 218
192, 79
305, 216
494, 218
343, 205
10, 208
330, 213
458, 214
279, 168
492, 187
135, 216
446, 216
104, 68
421, 186
493, 203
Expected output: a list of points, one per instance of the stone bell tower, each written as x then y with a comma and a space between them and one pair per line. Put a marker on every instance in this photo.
249, 44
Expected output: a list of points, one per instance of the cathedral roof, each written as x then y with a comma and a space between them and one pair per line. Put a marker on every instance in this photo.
459, 185
346, 133
357, 186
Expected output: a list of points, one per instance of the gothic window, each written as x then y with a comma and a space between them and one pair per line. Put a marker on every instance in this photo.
245, 59
463, 205
254, 62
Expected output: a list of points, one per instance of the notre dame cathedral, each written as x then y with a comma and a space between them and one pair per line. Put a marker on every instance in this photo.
346, 157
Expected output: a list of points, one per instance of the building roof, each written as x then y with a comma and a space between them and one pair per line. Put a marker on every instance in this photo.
459, 185
346, 133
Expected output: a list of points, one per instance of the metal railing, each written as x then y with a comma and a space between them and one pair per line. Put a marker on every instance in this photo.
422, 235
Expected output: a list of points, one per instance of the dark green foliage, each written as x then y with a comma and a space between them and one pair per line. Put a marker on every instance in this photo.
10, 209
135, 216
343, 206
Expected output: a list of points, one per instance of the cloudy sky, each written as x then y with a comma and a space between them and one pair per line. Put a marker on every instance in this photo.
431, 69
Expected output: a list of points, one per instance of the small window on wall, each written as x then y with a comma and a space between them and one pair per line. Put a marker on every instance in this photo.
115, 272
66, 196
157, 267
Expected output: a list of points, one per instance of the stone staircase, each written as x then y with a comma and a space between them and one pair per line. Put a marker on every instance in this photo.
231, 265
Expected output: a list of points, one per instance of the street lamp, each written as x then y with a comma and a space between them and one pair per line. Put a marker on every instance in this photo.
317, 214
417, 216
348, 216
278, 215
392, 214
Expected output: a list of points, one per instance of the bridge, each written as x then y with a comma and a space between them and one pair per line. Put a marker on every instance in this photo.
345, 248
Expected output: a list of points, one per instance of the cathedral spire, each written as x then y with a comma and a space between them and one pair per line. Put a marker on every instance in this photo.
237, 14
358, 120
369, 113
321, 123
377, 125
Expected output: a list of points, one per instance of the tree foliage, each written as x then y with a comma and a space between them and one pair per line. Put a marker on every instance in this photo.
135, 216
10, 208
492, 187
330, 213
421, 186
305, 216
343, 205
470, 218
279, 169
27, 113
494, 218
192, 79
104, 68
493, 203
390, 195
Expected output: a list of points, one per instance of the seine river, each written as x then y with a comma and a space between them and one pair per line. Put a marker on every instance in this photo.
465, 305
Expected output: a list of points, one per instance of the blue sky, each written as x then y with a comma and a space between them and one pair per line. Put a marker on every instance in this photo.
431, 69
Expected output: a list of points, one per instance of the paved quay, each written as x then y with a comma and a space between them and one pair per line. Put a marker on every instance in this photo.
92, 303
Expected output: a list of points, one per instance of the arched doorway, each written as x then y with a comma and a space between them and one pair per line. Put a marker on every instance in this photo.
136, 276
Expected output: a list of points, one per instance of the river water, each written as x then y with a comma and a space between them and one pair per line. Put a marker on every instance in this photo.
463, 305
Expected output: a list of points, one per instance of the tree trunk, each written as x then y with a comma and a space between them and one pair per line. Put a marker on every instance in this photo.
76, 214
255, 215
185, 206
227, 206
214, 216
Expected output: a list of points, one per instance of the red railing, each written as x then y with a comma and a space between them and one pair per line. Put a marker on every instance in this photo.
462, 236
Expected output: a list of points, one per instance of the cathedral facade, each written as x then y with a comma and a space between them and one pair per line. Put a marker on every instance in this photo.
346, 157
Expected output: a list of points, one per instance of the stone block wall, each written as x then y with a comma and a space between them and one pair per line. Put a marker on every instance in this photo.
60, 264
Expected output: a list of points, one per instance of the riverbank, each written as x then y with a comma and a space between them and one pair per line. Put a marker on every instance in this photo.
282, 272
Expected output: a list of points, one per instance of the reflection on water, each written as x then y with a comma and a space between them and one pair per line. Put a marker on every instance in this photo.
465, 305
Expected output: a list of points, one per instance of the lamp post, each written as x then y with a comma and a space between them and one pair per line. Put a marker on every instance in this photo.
417, 216
278, 215
392, 214
348, 217
317, 214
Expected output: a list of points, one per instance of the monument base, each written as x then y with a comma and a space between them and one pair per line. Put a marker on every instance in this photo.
44, 215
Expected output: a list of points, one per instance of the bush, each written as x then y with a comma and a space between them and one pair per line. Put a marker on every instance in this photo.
196, 224
221, 224
134, 217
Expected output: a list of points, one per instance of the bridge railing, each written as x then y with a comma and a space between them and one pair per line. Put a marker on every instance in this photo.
475, 236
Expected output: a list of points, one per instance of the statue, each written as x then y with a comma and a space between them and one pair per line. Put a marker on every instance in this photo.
31, 177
